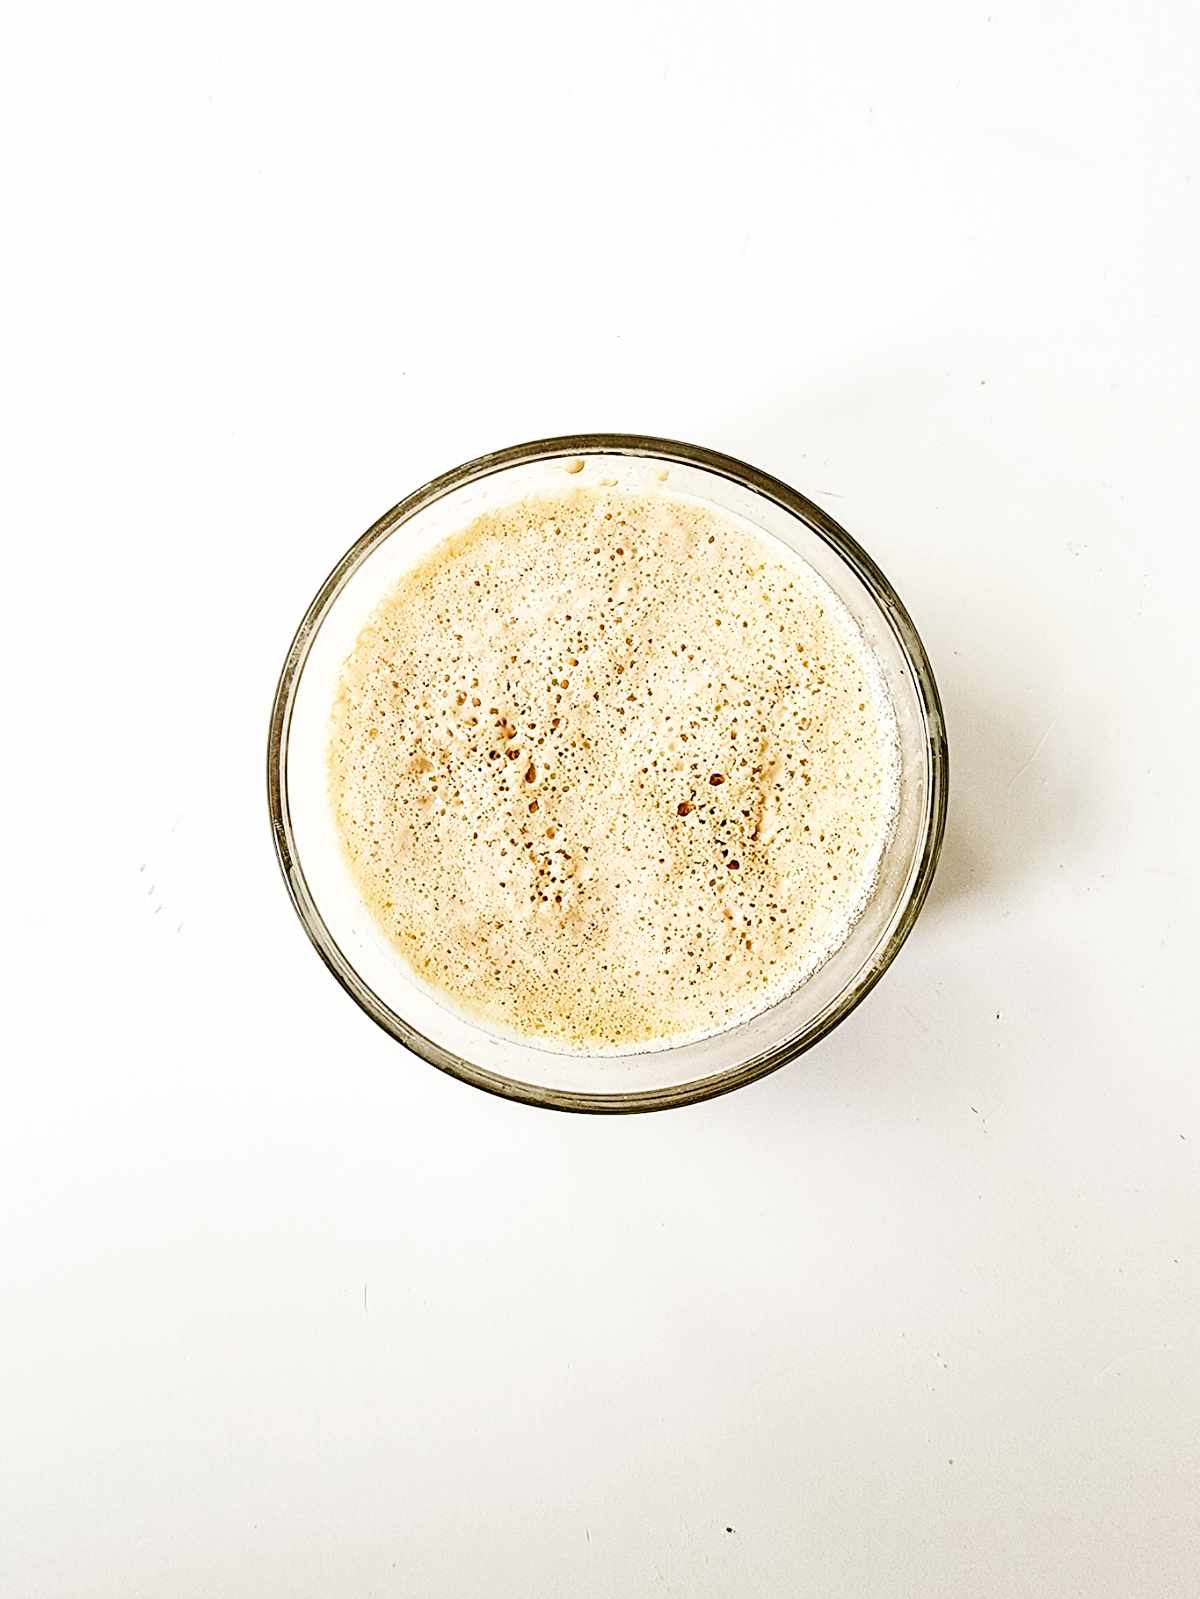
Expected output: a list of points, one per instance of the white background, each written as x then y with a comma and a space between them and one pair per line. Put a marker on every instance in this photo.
284, 1311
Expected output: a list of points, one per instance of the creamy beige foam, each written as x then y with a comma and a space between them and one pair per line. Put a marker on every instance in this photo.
612, 770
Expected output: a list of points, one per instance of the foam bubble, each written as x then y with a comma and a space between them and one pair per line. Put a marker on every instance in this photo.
610, 770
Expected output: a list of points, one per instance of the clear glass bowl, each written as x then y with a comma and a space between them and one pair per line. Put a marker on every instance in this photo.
347, 937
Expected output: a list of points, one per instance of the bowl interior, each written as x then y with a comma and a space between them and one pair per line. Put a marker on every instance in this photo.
348, 937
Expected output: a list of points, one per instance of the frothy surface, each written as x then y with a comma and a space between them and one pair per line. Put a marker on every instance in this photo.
610, 770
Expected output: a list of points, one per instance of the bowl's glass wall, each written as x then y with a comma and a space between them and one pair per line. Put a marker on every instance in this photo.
347, 934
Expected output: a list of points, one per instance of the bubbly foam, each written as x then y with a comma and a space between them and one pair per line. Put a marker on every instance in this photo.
611, 770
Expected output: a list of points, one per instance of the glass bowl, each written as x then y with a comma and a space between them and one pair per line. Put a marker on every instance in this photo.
343, 930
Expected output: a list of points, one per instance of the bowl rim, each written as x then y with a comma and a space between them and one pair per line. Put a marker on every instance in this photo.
669, 451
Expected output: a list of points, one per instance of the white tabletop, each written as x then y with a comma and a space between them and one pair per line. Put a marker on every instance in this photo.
284, 1312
